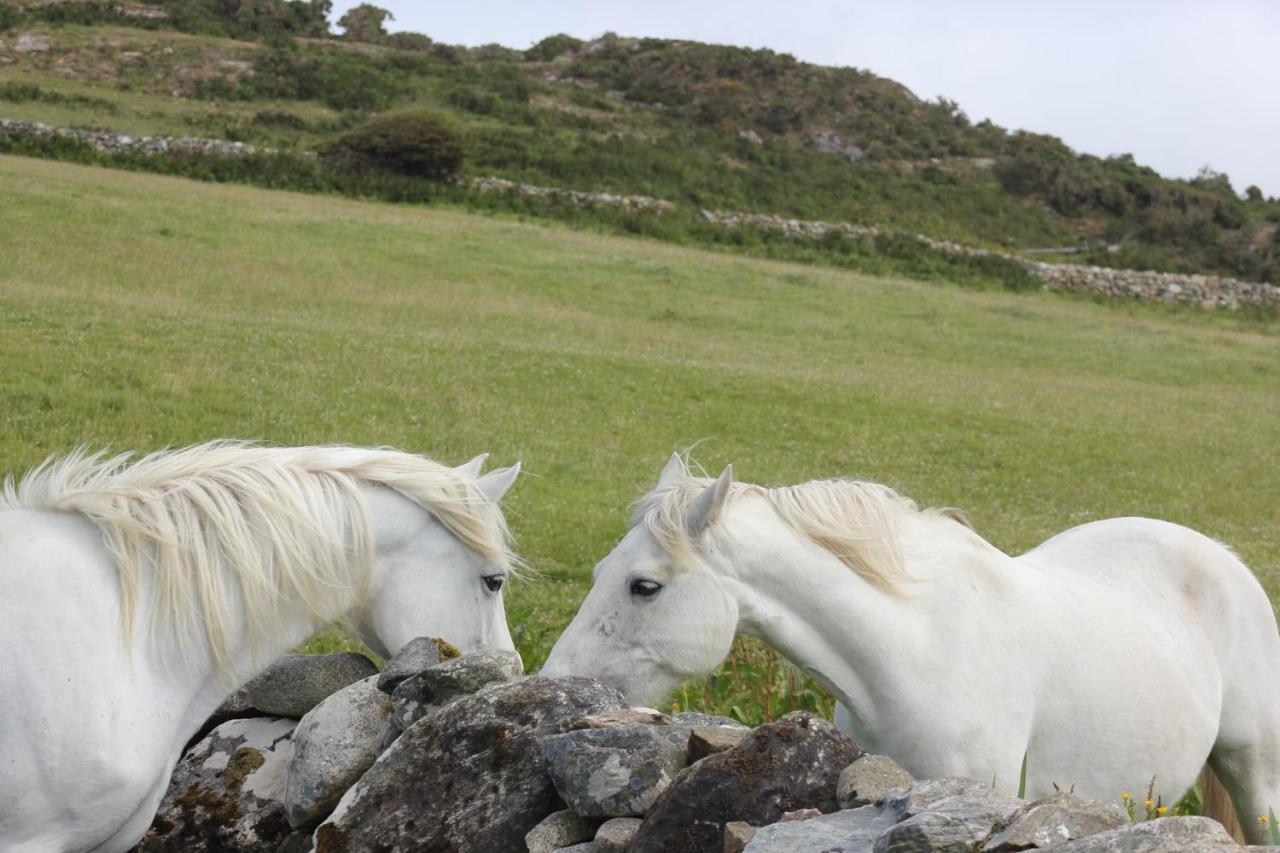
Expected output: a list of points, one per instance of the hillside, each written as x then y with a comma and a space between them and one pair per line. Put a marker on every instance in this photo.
190, 310
704, 125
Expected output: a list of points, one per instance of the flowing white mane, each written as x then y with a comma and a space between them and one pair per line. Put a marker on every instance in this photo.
228, 524
855, 521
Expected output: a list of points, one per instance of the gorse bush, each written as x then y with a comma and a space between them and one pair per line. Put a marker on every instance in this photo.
414, 143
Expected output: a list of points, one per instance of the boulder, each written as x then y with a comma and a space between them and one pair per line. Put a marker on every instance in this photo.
615, 834
868, 779
617, 771
1056, 820
295, 684
227, 793
333, 745
955, 824
708, 740
1163, 835
910, 801
560, 829
414, 657
469, 777
848, 831
625, 717
791, 763
737, 835
440, 684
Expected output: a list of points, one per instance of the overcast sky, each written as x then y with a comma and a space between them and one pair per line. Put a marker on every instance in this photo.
1176, 83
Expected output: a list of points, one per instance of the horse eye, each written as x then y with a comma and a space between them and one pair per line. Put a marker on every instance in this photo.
494, 582
645, 588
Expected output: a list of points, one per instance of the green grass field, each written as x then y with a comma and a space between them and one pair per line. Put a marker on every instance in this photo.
139, 311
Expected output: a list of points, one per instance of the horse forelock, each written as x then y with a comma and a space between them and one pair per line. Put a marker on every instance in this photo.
855, 521
228, 523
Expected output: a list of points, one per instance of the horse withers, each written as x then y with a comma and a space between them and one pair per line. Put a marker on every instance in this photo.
135, 595
1115, 653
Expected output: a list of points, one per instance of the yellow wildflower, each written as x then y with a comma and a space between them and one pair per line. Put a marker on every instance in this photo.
1148, 803
1162, 810
1125, 795
1264, 820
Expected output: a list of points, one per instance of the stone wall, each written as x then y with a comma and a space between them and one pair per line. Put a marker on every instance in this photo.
1209, 291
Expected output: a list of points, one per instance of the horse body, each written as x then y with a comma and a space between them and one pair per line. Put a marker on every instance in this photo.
93, 718
1115, 653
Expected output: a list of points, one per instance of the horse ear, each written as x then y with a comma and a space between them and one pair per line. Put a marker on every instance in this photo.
473, 468
674, 470
706, 507
497, 482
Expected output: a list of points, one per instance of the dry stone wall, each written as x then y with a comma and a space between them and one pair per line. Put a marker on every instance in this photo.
1209, 291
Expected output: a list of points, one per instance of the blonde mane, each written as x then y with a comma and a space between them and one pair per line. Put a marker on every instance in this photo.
853, 520
228, 524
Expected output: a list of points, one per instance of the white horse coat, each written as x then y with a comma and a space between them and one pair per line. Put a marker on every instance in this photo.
135, 596
1115, 653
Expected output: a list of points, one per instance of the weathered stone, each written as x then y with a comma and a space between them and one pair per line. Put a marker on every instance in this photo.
295, 684
737, 835
708, 740
791, 763
868, 779
849, 831
625, 717
227, 792
799, 815
584, 847
469, 777
333, 745
560, 829
443, 682
615, 834
414, 657
1055, 820
1164, 835
695, 719
952, 825
617, 771
297, 842
910, 801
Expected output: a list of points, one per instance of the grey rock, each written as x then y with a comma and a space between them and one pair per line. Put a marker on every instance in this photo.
31, 43
333, 745
440, 684
414, 657
227, 792
799, 815
469, 777
625, 717
693, 719
910, 801
298, 842
848, 831
617, 771
791, 763
584, 847
1056, 820
708, 740
295, 684
615, 834
868, 779
952, 825
1181, 834
559, 829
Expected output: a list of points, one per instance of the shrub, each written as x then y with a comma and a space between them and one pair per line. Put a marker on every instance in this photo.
416, 143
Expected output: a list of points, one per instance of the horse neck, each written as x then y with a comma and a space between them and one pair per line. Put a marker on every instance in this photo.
855, 638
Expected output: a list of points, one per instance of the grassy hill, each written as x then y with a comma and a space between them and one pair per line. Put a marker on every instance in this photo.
703, 125
139, 311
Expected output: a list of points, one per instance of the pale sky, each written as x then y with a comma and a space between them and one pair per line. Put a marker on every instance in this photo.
1176, 83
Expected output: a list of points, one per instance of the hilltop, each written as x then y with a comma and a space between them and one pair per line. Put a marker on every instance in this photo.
706, 126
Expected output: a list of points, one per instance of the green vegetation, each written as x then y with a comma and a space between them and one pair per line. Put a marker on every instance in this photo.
188, 311
707, 126
415, 143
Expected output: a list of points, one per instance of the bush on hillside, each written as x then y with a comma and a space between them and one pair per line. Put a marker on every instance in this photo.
416, 143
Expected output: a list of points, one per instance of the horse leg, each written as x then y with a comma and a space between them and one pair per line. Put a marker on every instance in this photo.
136, 825
1251, 775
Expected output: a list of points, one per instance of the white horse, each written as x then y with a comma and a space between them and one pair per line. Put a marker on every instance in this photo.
1116, 652
134, 596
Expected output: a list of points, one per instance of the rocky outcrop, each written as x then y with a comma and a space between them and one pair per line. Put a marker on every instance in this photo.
467, 777
788, 764
617, 771
295, 684
227, 793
